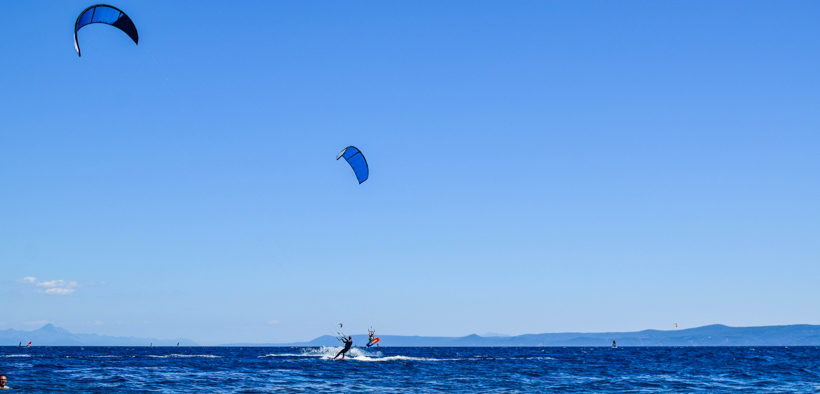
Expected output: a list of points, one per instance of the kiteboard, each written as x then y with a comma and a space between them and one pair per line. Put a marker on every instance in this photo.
373, 342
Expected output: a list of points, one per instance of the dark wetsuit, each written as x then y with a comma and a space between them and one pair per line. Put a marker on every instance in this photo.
348, 343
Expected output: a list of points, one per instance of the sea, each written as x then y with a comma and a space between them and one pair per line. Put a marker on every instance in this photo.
407, 369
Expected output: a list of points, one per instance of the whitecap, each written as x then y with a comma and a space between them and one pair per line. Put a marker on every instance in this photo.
281, 355
398, 358
354, 354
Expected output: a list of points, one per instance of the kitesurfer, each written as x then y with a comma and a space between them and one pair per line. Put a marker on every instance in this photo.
371, 336
348, 343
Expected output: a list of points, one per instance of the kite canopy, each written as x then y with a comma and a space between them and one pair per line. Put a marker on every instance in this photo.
355, 158
108, 15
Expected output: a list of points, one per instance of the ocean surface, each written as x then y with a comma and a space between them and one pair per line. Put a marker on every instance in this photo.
386, 369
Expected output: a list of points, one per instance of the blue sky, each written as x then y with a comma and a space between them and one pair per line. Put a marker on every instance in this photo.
535, 167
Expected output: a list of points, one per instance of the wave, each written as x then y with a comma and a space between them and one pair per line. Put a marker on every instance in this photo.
355, 354
398, 358
326, 351
281, 355
183, 356
16, 355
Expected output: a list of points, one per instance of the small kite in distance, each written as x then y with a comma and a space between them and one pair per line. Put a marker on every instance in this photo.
106, 14
357, 162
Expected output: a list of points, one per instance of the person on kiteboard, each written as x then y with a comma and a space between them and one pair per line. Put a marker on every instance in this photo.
371, 333
348, 343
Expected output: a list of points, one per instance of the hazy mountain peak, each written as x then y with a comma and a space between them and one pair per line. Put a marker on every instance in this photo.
52, 328
51, 335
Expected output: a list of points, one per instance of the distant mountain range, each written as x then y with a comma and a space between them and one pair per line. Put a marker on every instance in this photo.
712, 335
51, 335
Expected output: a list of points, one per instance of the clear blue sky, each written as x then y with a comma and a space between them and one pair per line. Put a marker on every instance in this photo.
535, 167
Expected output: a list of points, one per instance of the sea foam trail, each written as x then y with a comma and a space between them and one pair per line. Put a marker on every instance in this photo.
326, 351
355, 354
398, 358
184, 356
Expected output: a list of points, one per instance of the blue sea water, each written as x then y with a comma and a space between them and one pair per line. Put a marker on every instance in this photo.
386, 369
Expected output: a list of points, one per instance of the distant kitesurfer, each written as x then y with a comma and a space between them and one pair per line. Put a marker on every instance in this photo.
348, 343
372, 338
3, 383
613, 343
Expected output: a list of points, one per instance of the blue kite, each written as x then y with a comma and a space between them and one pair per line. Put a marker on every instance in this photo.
108, 15
356, 159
